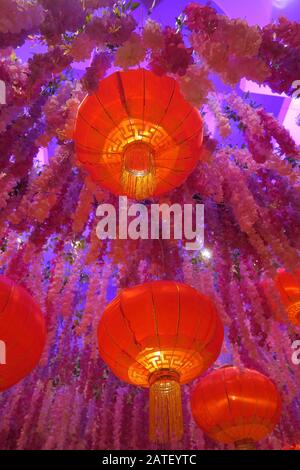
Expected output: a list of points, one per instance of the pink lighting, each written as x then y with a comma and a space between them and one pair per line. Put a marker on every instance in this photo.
282, 4
257, 12
42, 156
248, 86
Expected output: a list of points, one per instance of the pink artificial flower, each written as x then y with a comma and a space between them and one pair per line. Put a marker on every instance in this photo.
175, 57
100, 64
153, 37
131, 53
111, 29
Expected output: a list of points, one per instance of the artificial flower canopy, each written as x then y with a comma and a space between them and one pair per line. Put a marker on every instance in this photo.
52, 55
22, 332
137, 135
160, 335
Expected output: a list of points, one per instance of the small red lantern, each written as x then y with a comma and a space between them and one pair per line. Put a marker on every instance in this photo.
288, 285
137, 136
235, 405
160, 335
22, 333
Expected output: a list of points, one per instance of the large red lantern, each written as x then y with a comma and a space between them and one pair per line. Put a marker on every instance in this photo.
160, 335
235, 405
22, 333
288, 285
137, 136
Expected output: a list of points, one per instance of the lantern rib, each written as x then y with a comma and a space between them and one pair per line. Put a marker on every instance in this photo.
144, 99
164, 180
172, 159
205, 342
121, 366
95, 128
96, 152
9, 297
178, 320
188, 357
284, 289
216, 425
123, 351
179, 143
224, 383
181, 122
243, 421
107, 113
123, 100
165, 112
155, 317
255, 408
101, 163
276, 410
265, 420
25, 319
126, 321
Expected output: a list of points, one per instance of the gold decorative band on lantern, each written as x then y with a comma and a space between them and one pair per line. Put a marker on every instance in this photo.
245, 444
293, 311
166, 422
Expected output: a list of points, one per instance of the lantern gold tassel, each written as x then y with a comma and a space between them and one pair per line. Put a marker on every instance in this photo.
165, 420
245, 444
138, 171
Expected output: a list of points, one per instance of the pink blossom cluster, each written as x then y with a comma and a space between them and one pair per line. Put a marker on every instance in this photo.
111, 29
61, 16
174, 57
259, 143
195, 85
101, 62
229, 47
280, 49
20, 15
282, 136
223, 123
131, 53
235, 50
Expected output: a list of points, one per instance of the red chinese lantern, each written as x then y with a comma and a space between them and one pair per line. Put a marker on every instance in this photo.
288, 285
235, 405
22, 333
160, 335
137, 136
